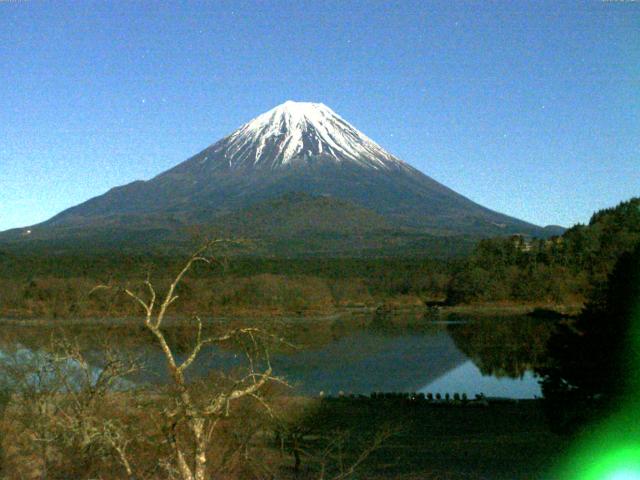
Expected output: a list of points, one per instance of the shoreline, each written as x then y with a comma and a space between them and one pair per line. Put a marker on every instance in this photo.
433, 314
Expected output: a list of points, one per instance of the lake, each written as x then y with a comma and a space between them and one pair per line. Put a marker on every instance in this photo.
359, 355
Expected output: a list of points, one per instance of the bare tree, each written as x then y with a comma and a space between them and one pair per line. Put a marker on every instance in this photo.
59, 402
334, 461
201, 414
333, 454
79, 415
82, 406
31, 392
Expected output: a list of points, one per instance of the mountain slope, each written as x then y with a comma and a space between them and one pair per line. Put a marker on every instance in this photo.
295, 147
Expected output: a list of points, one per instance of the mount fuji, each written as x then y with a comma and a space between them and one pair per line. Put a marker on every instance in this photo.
298, 169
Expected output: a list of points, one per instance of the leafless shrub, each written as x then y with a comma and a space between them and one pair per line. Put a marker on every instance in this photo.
193, 416
79, 416
58, 405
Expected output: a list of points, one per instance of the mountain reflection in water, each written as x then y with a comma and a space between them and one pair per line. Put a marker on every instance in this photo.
495, 357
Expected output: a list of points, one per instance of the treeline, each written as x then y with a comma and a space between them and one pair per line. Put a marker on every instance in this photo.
594, 362
387, 272
63, 286
557, 270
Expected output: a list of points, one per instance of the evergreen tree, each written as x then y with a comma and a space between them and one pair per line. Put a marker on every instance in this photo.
594, 362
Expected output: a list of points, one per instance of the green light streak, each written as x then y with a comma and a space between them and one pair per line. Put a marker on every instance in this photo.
612, 451
624, 475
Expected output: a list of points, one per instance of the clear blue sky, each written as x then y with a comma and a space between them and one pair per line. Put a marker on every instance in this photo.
529, 108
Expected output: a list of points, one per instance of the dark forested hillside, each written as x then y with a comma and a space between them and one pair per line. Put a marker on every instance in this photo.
561, 270
556, 269
294, 224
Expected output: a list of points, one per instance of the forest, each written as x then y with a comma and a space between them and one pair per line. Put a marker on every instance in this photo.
555, 272
558, 271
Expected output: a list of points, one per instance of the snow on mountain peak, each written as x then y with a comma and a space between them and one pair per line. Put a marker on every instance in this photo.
298, 131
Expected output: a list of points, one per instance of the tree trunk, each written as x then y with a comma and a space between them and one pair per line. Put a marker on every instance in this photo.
185, 471
296, 455
197, 425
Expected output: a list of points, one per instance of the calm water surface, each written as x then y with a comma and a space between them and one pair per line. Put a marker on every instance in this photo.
495, 357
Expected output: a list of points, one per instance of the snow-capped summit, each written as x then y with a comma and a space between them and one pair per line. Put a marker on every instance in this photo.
295, 148
296, 132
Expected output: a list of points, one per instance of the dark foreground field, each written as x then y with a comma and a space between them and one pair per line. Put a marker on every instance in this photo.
505, 440
496, 440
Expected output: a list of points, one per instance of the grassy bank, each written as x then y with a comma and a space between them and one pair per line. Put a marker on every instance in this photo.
508, 440
264, 295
